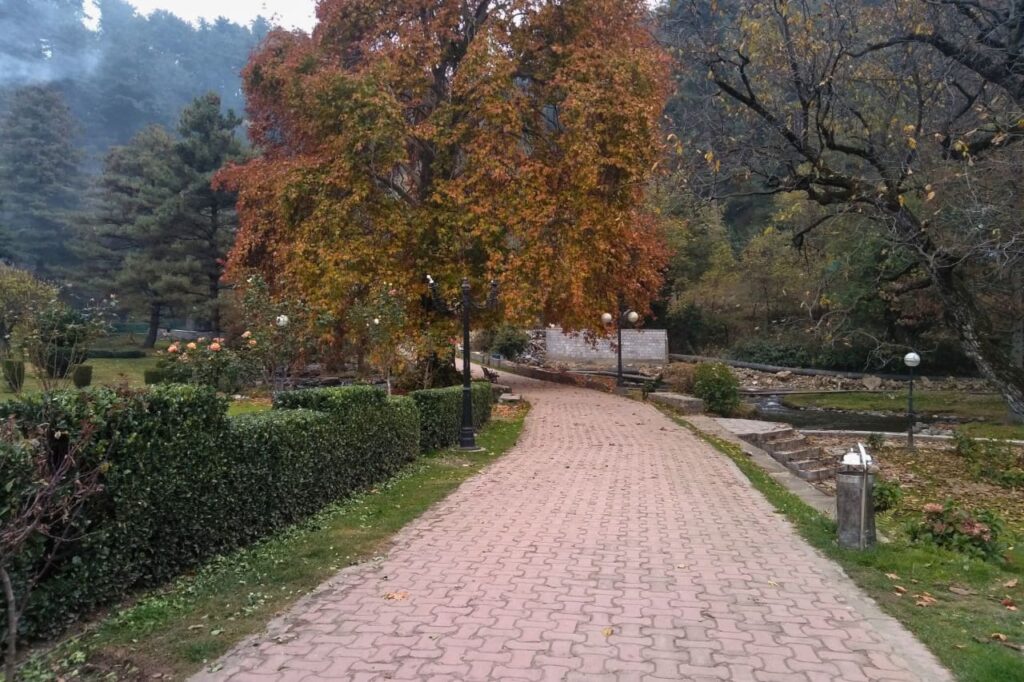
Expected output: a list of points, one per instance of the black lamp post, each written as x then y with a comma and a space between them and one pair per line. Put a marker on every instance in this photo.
465, 304
911, 360
625, 315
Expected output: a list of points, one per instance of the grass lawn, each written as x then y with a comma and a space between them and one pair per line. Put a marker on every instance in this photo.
105, 372
174, 632
988, 408
967, 627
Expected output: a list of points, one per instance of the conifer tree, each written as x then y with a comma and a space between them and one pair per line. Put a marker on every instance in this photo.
40, 181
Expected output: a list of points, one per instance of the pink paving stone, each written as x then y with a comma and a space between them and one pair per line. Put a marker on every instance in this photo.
606, 515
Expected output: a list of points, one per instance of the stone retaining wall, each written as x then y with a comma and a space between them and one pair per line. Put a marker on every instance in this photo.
639, 346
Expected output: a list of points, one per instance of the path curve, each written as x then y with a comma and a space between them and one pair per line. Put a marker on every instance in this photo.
609, 544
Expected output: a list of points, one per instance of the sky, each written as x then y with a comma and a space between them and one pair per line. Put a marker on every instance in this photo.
287, 13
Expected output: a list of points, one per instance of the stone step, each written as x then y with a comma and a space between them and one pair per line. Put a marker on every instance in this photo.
809, 452
786, 444
807, 464
817, 474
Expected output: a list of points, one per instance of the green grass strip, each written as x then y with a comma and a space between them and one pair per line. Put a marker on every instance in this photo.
176, 631
959, 626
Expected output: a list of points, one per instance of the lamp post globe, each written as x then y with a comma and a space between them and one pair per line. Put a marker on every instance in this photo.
911, 360
633, 316
606, 319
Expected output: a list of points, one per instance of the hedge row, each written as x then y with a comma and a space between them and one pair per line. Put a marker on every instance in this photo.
185, 482
441, 413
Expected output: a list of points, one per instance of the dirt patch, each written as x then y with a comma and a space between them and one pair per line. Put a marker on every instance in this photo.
933, 473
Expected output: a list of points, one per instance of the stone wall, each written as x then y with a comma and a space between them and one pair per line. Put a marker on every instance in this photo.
639, 346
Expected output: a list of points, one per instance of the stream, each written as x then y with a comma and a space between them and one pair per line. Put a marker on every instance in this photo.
770, 408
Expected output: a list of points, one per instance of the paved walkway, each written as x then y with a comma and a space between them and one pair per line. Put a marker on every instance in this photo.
610, 544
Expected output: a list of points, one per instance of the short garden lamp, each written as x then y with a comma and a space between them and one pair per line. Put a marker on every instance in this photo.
625, 315
911, 360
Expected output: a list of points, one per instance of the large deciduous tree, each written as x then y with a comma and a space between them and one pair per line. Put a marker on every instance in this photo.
481, 138
907, 115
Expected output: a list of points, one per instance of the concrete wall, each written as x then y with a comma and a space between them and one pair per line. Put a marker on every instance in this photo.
639, 346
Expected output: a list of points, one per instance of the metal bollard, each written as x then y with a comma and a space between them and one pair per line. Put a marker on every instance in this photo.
855, 507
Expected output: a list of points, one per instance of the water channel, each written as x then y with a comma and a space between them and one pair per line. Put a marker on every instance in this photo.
771, 408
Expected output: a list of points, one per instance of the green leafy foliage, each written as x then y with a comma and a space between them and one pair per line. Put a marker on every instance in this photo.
950, 526
991, 460
717, 386
509, 342
185, 482
441, 413
886, 495
14, 374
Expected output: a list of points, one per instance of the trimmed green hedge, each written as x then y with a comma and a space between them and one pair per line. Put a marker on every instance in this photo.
186, 482
441, 413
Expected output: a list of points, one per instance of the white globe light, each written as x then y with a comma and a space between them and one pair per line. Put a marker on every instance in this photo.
606, 318
912, 359
633, 317
282, 320
376, 320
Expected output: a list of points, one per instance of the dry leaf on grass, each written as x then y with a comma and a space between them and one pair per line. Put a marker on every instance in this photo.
900, 590
1010, 584
962, 591
998, 636
924, 599
892, 576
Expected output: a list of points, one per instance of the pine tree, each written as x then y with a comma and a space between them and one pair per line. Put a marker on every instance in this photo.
206, 220
128, 245
39, 177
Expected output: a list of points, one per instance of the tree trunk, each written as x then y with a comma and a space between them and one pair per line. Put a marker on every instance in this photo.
1017, 332
965, 316
154, 325
11, 654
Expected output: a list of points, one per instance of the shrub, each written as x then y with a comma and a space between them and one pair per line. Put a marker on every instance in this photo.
441, 413
185, 482
771, 352
886, 495
211, 362
510, 342
82, 376
951, 527
717, 386
154, 376
14, 374
680, 377
110, 354
876, 441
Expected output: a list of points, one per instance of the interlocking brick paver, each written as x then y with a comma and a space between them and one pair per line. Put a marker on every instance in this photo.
609, 544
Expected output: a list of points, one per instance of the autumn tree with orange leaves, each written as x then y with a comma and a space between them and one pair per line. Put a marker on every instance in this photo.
507, 139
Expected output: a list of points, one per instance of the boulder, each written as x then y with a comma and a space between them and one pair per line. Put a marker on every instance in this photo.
872, 383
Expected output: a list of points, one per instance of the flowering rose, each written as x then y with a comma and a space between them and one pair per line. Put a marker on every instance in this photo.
173, 348
215, 346
932, 508
191, 346
247, 335
202, 339
219, 340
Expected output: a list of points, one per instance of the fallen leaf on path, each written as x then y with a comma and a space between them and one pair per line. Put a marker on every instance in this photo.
607, 632
396, 596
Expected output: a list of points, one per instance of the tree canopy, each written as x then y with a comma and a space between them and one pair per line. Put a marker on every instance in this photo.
499, 138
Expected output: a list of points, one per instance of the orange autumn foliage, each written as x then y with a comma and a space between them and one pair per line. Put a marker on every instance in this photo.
486, 138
